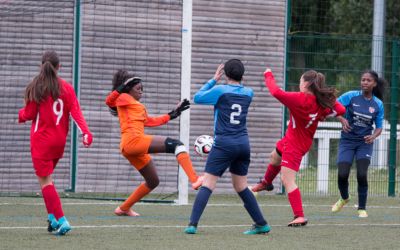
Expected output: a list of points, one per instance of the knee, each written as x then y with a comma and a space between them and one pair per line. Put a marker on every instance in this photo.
286, 181
174, 146
274, 159
153, 182
343, 170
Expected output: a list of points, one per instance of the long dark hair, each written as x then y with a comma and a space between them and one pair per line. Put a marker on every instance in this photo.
46, 82
326, 96
118, 79
379, 89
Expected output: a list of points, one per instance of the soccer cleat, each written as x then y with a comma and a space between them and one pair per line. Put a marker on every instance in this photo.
118, 211
339, 204
191, 229
362, 213
257, 229
262, 185
298, 221
197, 184
52, 223
64, 227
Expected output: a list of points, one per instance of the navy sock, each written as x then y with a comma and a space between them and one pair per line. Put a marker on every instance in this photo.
362, 197
199, 205
251, 205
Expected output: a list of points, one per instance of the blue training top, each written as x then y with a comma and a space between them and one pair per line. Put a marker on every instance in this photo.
231, 103
361, 114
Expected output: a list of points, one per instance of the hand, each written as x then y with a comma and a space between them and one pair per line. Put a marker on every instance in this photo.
345, 124
219, 73
87, 139
182, 106
369, 139
128, 84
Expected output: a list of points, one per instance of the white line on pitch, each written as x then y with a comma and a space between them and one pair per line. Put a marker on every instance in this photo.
171, 204
205, 226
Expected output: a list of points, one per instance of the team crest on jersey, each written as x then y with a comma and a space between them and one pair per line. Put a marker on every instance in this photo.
371, 110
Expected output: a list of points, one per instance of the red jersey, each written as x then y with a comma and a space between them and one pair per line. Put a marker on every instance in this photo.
305, 113
50, 122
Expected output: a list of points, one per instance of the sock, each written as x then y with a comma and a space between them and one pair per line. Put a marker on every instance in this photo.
362, 197
296, 203
251, 205
271, 173
344, 189
47, 203
141, 191
184, 160
199, 205
50, 196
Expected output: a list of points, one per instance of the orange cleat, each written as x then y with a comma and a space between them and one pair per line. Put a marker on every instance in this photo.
118, 211
298, 221
197, 184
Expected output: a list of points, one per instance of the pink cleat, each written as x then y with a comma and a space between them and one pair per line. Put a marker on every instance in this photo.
197, 184
298, 222
118, 211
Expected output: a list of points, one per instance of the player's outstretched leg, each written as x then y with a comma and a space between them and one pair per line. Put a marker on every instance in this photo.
261, 186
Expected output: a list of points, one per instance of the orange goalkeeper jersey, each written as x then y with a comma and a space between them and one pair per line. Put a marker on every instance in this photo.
133, 117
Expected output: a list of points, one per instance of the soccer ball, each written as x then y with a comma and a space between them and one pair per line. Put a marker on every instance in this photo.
203, 145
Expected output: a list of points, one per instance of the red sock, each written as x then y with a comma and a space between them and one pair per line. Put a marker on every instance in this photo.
271, 173
47, 202
296, 203
52, 200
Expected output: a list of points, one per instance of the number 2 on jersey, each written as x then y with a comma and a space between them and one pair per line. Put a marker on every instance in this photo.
235, 113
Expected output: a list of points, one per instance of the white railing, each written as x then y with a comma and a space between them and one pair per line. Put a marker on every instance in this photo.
331, 130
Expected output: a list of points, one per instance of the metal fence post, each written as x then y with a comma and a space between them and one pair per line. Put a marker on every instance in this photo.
394, 106
76, 82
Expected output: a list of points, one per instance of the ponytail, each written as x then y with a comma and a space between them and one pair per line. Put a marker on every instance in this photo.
326, 96
46, 83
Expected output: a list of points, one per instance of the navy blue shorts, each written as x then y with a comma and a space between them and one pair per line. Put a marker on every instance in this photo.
348, 149
234, 157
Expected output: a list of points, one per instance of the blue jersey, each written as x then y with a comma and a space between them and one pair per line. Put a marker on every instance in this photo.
231, 103
361, 114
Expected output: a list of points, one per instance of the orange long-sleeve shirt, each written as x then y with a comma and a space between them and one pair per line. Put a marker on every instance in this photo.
133, 116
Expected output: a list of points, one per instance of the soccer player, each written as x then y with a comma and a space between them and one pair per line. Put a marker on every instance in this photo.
312, 104
49, 101
135, 145
231, 147
363, 108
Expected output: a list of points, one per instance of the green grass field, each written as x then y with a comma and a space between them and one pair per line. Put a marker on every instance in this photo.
160, 226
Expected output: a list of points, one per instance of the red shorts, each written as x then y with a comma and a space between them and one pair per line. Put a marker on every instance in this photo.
291, 155
44, 168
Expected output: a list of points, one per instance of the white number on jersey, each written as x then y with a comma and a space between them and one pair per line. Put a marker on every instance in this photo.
313, 117
235, 113
58, 111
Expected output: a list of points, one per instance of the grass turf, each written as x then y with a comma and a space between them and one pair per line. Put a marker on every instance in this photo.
23, 225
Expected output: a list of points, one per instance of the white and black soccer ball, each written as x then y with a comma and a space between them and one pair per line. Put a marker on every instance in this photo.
203, 145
